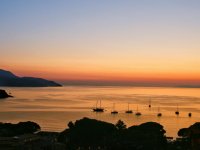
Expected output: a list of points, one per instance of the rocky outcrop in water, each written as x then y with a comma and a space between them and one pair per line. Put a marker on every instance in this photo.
4, 94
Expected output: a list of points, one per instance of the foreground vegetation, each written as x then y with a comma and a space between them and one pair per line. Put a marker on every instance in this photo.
92, 134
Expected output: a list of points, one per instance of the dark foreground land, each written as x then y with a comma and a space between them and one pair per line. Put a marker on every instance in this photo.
90, 134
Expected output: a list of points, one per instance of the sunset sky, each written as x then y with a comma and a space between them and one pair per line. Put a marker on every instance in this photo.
102, 40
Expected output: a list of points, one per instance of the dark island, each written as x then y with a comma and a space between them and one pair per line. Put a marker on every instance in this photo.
4, 94
7, 78
91, 134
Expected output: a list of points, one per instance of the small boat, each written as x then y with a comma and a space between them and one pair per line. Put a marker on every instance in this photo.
177, 111
129, 111
98, 109
149, 102
138, 113
159, 113
189, 114
114, 111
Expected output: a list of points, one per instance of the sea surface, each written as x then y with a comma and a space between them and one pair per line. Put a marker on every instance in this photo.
53, 107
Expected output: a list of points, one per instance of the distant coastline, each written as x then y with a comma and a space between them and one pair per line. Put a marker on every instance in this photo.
8, 79
118, 84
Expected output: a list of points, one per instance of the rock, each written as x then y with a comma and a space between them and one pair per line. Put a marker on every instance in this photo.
3, 94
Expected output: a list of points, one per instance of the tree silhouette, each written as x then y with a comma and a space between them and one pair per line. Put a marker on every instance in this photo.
120, 125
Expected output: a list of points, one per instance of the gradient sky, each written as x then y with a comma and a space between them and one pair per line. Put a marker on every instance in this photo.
114, 40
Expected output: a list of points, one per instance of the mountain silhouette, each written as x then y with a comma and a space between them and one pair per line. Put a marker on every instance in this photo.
7, 74
7, 78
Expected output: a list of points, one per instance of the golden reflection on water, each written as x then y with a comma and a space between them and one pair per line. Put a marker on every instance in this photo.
53, 108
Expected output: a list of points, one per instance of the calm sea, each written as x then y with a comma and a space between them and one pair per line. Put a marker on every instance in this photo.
54, 107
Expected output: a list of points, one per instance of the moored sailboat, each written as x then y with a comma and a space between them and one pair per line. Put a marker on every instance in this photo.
98, 109
128, 110
177, 110
138, 113
149, 102
114, 111
159, 113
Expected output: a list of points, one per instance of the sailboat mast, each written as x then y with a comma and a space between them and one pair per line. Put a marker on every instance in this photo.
149, 102
96, 103
113, 106
128, 106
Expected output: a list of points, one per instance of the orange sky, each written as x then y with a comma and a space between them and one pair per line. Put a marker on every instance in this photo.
121, 41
